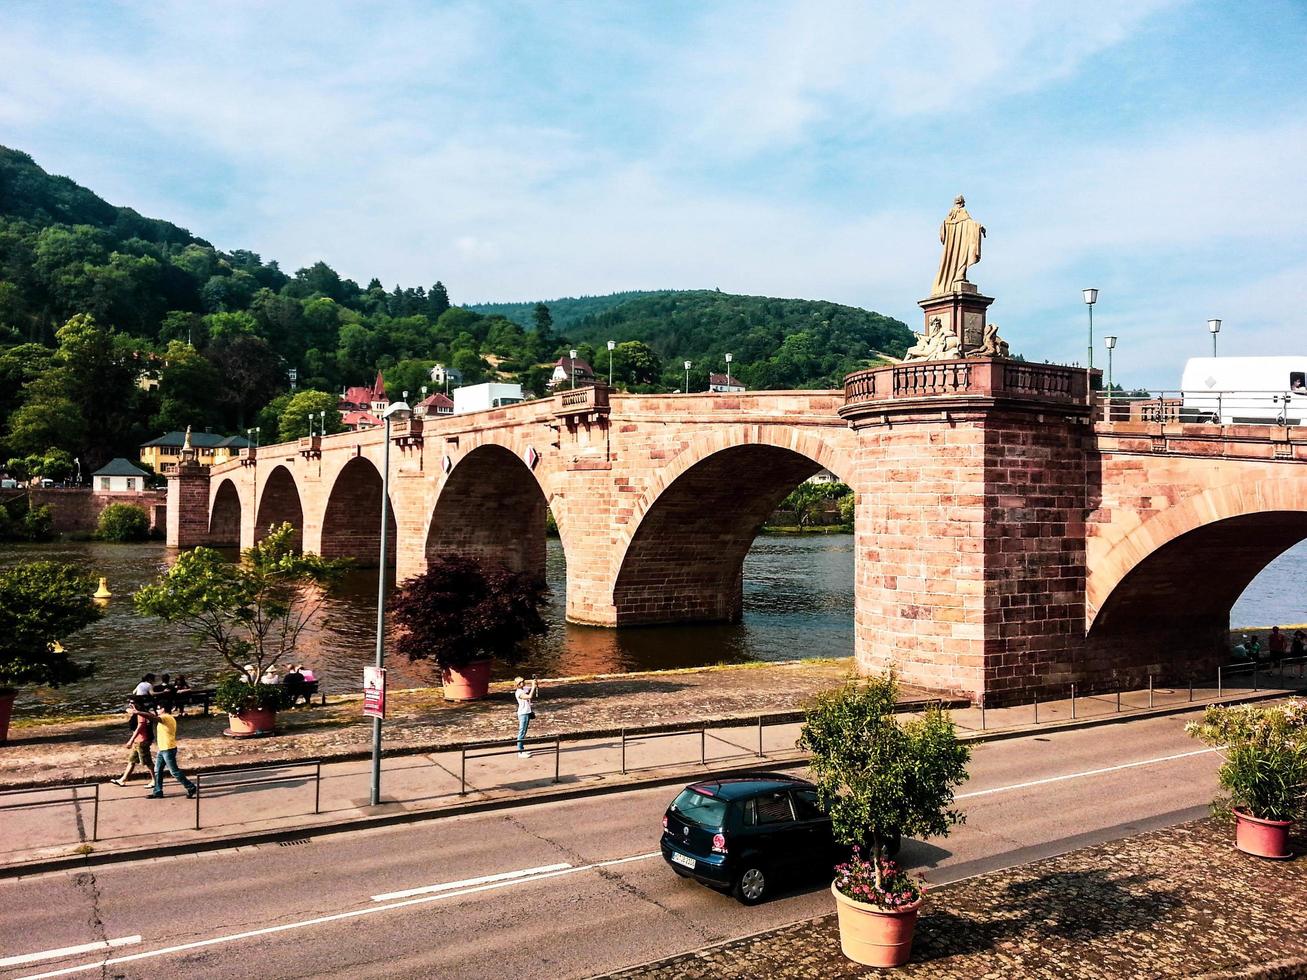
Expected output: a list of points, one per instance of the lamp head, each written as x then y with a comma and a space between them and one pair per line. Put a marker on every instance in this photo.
397, 410
612, 344
1091, 296
1214, 325
1110, 341
728, 358
572, 354
687, 365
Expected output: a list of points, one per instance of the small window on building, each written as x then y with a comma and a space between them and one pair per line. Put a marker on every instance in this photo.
131, 483
104, 483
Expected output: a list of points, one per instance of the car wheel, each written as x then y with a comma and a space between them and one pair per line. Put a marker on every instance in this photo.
753, 885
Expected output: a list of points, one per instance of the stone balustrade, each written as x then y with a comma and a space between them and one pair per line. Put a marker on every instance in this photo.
988, 378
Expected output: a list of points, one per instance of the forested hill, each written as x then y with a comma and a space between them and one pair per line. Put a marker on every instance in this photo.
566, 310
775, 343
115, 328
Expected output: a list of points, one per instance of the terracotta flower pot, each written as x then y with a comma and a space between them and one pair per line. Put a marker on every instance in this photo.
1262, 838
6, 711
874, 936
467, 683
251, 723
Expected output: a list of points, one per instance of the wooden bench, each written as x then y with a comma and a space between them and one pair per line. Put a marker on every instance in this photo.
306, 690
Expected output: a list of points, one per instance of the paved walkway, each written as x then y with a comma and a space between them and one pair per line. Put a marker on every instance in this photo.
423, 720
1180, 902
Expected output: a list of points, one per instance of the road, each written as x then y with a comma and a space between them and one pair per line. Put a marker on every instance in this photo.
556, 890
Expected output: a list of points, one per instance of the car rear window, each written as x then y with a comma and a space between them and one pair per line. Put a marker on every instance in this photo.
706, 811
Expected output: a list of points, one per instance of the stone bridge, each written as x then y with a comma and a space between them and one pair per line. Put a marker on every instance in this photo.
1006, 544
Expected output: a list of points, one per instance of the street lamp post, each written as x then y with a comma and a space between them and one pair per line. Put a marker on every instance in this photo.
1091, 297
572, 354
401, 410
310, 425
728, 372
611, 345
257, 430
1110, 341
1214, 326
687, 377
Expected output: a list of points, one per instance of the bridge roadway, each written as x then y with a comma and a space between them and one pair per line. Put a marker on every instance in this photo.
557, 890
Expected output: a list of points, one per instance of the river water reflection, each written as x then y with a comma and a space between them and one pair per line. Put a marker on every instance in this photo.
798, 602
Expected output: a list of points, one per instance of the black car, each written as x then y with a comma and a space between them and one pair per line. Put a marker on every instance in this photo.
744, 832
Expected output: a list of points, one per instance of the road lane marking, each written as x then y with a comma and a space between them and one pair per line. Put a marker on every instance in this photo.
1081, 775
337, 917
466, 882
54, 954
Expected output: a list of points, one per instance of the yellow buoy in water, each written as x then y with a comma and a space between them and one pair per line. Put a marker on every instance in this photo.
103, 591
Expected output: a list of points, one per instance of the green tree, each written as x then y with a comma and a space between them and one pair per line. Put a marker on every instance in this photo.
46, 420
189, 386
252, 374
42, 605
123, 522
410, 376
437, 300
269, 419
879, 777
294, 420
634, 363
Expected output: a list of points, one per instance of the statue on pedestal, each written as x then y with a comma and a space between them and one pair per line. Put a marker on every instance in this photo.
960, 235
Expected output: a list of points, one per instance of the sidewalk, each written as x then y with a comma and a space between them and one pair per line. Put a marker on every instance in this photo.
421, 720
1180, 902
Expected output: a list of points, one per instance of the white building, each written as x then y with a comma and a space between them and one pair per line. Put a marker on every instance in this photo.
492, 394
119, 476
724, 383
441, 375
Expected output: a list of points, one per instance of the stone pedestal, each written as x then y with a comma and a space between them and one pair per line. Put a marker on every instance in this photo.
188, 505
970, 572
961, 313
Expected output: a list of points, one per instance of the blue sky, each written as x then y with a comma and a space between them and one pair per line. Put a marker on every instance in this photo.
1155, 149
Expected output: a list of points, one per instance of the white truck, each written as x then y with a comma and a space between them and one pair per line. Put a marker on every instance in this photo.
1245, 390
492, 394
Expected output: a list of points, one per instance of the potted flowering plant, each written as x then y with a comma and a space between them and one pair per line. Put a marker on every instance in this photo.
462, 613
1264, 773
878, 777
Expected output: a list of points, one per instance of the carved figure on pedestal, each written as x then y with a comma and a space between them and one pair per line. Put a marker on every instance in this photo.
960, 235
992, 345
936, 344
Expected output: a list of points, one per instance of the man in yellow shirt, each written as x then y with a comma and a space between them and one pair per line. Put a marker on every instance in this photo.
166, 751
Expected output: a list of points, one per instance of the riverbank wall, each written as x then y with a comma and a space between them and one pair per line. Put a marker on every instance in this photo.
76, 510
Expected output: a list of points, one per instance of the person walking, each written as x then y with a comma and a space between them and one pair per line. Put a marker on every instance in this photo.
166, 750
525, 694
138, 743
1278, 644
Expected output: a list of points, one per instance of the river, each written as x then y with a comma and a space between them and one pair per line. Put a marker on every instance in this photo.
798, 601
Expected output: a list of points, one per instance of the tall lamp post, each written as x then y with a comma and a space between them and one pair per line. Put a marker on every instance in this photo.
687, 377
310, 425
1215, 327
397, 410
728, 372
1110, 342
611, 344
1091, 297
572, 354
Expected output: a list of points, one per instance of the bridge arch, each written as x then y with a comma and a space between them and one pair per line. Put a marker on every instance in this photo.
279, 503
1162, 595
225, 516
351, 523
683, 555
492, 508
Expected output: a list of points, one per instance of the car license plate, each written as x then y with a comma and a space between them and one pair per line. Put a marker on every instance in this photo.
681, 859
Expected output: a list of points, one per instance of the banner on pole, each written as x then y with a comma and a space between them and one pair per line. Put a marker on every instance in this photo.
374, 692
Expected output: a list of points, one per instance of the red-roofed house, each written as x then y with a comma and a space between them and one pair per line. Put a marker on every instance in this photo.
437, 404
723, 382
568, 371
356, 420
361, 398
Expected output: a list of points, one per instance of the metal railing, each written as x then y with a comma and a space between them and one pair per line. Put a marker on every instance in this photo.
1204, 407
75, 800
499, 748
239, 778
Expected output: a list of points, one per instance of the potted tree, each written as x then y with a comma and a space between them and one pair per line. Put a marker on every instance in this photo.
41, 604
462, 613
1264, 773
879, 777
250, 613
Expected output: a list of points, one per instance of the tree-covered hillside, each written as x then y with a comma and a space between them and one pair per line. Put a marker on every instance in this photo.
566, 310
115, 328
775, 343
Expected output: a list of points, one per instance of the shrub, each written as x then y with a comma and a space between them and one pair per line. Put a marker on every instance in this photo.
877, 776
235, 694
1265, 753
459, 611
37, 524
123, 522
42, 603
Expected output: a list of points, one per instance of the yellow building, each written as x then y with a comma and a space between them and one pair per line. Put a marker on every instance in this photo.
164, 453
